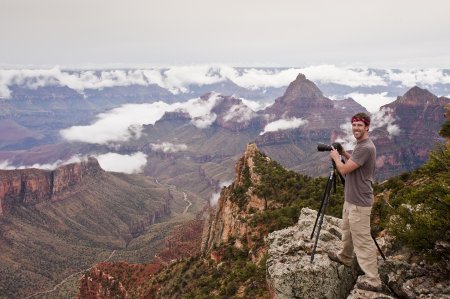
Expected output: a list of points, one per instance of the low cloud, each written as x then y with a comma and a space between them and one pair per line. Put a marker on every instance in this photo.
178, 79
349, 76
125, 122
425, 77
284, 124
262, 78
133, 163
119, 124
372, 102
256, 105
168, 147
6, 165
78, 80
239, 113
384, 118
215, 196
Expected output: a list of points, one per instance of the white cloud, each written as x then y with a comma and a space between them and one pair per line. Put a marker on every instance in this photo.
384, 118
79, 80
125, 122
426, 77
204, 121
177, 79
239, 113
256, 105
48, 166
200, 110
215, 196
284, 124
372, 102
257, 78
123, 163
168, 147
352, 77
119, 124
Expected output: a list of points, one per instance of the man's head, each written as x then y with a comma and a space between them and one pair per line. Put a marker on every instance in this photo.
360, 125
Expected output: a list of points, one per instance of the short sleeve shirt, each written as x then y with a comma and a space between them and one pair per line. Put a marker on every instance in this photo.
358, 183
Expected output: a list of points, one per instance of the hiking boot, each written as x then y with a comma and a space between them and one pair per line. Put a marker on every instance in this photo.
364, 285
334, 257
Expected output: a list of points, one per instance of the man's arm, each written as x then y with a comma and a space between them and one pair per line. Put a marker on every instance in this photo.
341, 167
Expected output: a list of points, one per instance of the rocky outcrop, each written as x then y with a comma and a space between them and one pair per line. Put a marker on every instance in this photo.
33, 186
175, 116
101, 285
230, 220
291, 274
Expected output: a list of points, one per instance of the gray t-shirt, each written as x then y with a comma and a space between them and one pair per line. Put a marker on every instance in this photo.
358, 183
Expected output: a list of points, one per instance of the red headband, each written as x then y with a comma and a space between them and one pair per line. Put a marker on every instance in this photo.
365, 121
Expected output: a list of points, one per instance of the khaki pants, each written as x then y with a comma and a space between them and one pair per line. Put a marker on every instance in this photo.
356, 238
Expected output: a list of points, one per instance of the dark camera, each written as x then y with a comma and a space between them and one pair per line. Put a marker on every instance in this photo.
321, 147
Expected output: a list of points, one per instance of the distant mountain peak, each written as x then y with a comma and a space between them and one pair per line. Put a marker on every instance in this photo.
417, 95
302, 88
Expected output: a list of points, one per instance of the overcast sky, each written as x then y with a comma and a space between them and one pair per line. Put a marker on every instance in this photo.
139, 33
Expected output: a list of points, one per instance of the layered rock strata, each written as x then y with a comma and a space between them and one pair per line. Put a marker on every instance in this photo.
33, 186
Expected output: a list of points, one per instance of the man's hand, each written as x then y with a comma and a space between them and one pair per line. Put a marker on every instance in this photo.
341, 167
334, 154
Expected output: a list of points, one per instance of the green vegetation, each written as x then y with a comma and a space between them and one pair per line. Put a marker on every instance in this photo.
445, 129
415, 210
292, 192
419, 205
239, 192
234, 274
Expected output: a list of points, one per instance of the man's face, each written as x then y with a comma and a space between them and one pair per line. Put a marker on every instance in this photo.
359, 129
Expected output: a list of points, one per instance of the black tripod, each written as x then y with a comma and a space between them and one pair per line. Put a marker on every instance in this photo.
331, 183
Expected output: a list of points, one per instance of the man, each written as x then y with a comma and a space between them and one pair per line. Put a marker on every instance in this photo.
356, 237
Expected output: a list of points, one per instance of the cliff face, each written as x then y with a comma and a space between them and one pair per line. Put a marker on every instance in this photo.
290, 273
229, 221
32, 186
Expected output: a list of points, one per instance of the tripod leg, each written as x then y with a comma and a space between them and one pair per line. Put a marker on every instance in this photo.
378, 247
320, 209
321, 213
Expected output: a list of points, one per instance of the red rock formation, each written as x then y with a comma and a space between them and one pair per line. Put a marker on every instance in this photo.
123, 280
101, 285
176, 115
32, 186
228, 222
419, 115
